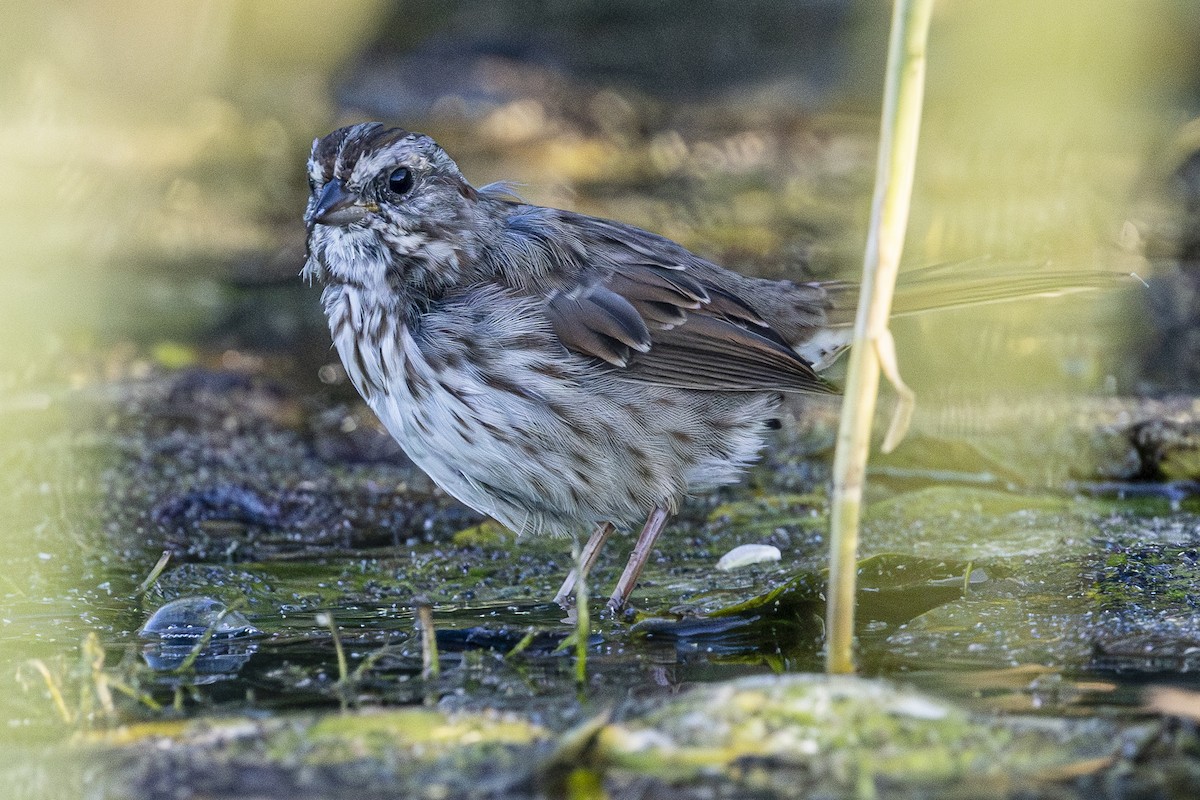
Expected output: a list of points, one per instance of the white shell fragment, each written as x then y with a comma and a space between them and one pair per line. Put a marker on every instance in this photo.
747, 554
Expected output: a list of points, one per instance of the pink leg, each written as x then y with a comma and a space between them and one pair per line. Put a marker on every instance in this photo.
637, 559
591, 551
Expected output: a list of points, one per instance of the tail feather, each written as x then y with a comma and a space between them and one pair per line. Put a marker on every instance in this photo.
962, 285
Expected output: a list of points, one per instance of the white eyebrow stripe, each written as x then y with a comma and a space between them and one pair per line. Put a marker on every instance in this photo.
400, 153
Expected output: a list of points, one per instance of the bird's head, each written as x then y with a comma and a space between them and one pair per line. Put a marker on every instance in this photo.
386, 205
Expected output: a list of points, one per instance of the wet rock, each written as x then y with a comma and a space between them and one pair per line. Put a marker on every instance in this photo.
1149, 618
413, 752
769, 737
840, 736
1168, 448
892, 589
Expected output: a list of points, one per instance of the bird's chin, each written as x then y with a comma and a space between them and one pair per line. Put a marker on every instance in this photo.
349, 253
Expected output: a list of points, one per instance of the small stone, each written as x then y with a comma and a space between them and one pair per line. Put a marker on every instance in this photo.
747, 554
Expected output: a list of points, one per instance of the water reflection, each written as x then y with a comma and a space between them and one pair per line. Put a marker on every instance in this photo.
199, 639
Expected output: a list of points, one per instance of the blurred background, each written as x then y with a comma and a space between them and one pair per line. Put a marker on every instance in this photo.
155, 157
153, 188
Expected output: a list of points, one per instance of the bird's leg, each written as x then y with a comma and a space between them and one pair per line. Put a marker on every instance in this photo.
637, 559
591, 551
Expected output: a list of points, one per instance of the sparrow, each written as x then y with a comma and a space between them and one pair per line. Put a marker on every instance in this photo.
555, 371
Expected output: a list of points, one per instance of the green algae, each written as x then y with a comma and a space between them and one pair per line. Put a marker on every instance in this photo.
779, 734
842, 735
886, 581
378, 730
762, 515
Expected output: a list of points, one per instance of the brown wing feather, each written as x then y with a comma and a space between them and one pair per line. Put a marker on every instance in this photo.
708, 352
656, 312
685, 333
598, 322
660, 315
730, 305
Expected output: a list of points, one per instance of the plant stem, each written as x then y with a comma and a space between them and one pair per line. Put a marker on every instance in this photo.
326, 618
903, 93
430, 663
583, 621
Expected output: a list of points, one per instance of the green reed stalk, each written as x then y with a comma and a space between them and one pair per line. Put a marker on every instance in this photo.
872, 347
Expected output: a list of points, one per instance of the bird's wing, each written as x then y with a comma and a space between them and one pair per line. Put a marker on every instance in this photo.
657, 313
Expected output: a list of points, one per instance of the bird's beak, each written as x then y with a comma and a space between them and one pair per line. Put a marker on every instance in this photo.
337, 207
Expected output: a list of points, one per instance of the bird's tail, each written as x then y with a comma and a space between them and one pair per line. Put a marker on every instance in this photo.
974, 283
957, 285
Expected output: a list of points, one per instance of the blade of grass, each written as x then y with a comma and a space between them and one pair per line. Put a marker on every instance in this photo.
430, 663
326, 618
55, 690
901, 119
583, 621
520, 646
157, 570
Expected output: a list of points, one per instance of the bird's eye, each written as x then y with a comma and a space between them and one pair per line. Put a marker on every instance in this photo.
312, 183
400, 181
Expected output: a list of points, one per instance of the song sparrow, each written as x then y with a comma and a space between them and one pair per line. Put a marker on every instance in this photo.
549, 369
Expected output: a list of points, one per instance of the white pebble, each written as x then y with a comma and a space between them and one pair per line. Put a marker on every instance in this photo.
747, 554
